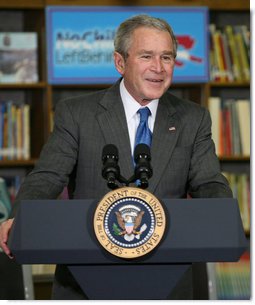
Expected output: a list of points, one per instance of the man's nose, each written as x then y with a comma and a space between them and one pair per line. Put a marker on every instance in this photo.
157, 65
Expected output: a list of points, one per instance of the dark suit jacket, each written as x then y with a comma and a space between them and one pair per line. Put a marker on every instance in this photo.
182, 151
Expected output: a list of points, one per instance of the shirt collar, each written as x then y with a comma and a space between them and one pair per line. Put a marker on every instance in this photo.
131, 106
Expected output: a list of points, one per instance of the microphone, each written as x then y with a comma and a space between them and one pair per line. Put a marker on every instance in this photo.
143, 169
111, 170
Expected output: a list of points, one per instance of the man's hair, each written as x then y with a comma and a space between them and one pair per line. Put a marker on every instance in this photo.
123, 37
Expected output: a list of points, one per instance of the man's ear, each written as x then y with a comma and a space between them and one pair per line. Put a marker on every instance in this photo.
119, 62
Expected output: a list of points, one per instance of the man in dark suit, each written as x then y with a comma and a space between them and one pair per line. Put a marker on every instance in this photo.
182, 151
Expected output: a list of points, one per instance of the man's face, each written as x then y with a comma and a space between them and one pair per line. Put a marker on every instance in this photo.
148, 69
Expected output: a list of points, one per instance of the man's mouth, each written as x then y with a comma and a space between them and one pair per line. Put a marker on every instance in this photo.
155, 80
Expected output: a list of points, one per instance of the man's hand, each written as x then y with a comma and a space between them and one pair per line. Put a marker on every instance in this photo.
5, 228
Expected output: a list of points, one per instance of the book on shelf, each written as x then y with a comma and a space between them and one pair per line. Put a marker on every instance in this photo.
227, 56
13, 183
9, 187
230, 126
216, 62
233, 279
243, 54
243, 113
226, 130
214, 105
240, 186
26, 131
229, 53
15, 131
18, 57
236, 65
235, 127
212, 53
246, 38
5, 201
243, 197
221, 63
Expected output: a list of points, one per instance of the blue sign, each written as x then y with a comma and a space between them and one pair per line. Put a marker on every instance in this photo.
80, 42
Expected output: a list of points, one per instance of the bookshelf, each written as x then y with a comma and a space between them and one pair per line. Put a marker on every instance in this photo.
229, 280
29, 16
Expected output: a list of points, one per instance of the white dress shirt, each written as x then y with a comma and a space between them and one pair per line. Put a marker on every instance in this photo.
131, 107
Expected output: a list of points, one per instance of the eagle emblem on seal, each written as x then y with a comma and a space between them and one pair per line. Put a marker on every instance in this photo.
129, 219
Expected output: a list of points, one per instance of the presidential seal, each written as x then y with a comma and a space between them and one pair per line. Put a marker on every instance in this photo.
129, 222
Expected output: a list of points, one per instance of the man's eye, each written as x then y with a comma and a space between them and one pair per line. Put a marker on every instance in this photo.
167, 58
146, 56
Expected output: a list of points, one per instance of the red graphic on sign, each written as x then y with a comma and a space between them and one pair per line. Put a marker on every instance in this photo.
186, 43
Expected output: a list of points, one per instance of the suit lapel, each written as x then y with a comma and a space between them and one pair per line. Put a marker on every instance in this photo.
165, 135
112, 121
